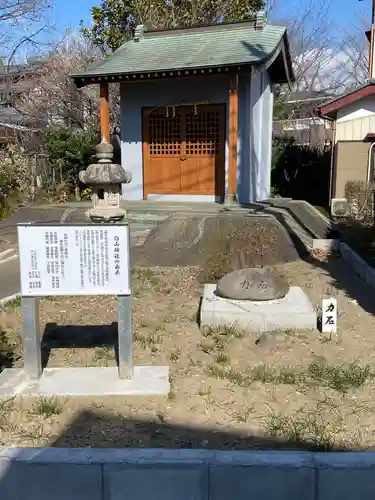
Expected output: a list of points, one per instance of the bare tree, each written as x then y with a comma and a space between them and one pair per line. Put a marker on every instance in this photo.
53, 99
17, 17
356, 50
314, 45
17, 11
24, 25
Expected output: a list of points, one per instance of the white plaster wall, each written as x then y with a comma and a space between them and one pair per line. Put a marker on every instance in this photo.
256, 107
256, 104
264, 190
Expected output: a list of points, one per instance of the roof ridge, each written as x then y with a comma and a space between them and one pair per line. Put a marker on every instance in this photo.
149, 35
200, 27
209, 28
196, 30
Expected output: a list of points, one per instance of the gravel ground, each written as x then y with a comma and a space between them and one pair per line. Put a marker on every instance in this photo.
305, 390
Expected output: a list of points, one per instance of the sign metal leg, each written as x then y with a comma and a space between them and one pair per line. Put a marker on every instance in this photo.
125, 336
31, 337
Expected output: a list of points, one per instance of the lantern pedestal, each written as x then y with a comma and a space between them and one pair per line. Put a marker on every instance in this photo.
105, 178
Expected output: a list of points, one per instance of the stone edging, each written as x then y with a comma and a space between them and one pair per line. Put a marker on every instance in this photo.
360, 266
134, 474
107, 456
86, 456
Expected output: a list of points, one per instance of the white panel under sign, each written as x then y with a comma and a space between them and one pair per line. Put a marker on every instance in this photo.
92, 259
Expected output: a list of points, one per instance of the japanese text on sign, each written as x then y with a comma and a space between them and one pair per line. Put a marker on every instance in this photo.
71, 260
329, 315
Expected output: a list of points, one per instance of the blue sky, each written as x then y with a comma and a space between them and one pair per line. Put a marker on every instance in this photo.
345, 13
68, 13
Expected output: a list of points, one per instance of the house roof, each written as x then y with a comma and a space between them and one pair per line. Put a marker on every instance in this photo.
307, 96
219, 45
12, 116
329, 109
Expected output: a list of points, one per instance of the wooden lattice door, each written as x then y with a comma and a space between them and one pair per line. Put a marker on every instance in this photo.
184, 150
161, 152
203, 150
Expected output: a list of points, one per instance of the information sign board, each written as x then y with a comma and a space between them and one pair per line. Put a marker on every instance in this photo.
63, 259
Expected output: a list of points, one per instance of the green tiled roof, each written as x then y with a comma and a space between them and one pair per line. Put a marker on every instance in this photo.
204, 47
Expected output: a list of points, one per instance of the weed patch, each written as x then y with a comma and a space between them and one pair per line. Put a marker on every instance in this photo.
46, 407
304, 429
342, 378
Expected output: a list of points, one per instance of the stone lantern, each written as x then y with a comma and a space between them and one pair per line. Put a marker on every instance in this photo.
105, 178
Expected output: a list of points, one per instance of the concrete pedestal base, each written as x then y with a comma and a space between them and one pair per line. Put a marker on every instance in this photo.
230, 199
293, 311
106, 216
146, 381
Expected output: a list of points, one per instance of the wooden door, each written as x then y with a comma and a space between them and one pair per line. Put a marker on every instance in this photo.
203, 150
184, 150
161, 152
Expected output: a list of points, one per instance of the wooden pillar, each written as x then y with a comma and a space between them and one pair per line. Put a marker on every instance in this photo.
232, 138
104, 111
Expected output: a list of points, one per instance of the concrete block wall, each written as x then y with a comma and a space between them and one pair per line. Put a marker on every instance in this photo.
146, 474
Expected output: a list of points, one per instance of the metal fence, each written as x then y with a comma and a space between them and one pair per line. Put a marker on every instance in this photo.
46, 173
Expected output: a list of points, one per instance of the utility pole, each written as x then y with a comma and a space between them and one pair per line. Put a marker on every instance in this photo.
371, 62
268, 4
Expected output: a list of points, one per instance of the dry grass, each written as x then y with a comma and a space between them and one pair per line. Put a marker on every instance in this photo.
226, 392
245, 245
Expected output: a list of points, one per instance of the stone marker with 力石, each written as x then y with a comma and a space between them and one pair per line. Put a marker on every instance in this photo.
329, 315
258, 300
253, 284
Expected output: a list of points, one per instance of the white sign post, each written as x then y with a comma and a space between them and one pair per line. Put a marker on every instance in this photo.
74, 260
329, 315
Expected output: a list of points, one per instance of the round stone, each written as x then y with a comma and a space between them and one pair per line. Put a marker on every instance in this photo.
105, 173
106, 214
104, 151
252, 284
104, 147
268, 339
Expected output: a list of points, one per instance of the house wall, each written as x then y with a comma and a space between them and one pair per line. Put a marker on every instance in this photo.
356, 129
351, 161
356, 120
254, 142
353, 123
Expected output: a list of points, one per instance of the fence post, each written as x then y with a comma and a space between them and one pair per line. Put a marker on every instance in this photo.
33, 178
